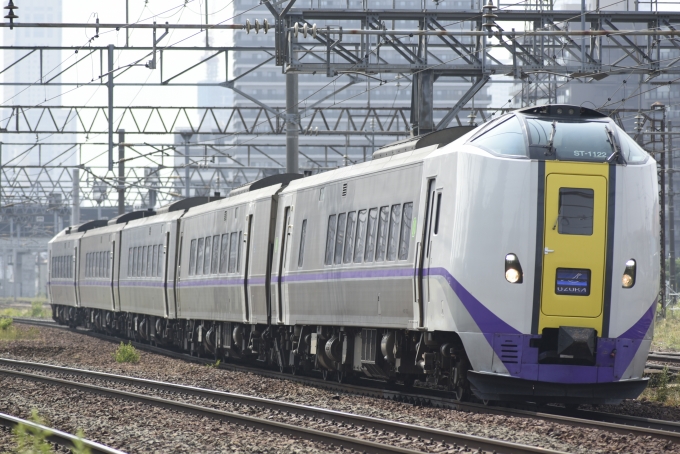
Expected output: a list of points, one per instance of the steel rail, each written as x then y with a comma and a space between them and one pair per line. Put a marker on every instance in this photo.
664, 358
329, 438
379, 424
57, 436
611, 422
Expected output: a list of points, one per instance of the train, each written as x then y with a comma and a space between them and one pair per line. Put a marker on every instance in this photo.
513, 261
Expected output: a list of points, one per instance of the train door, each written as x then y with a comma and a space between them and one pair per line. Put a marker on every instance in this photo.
76, 277
422, 293
166, 250
246, 267
178, 276
285, 233
575, 230
112, 264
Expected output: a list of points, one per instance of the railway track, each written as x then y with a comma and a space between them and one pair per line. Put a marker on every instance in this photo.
57, 437
664, 357
434, 439
420, 396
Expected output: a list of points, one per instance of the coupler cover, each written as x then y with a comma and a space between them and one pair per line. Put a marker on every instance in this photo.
576, 343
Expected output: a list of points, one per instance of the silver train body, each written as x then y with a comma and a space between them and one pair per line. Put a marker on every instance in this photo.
514, 261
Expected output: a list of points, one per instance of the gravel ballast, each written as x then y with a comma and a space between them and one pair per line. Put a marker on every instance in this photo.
70, 349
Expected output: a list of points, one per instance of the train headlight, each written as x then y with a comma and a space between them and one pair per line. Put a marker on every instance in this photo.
513, 269
628, 279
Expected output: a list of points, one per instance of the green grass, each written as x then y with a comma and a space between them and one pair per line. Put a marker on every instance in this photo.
667, 332
33, 440
9, 332
663, 388
38, 309
126, 353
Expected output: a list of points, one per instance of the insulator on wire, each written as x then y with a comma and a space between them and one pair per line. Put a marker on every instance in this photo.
248, 26
304, 30
11, 16
488, 15
257, 27
296, 28
314, 31
265, 26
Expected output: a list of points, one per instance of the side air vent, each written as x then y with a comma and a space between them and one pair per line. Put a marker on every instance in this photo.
344, 189
509, 351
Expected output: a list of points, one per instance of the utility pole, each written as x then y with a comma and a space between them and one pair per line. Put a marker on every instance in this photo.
109, 84
75, 197
671, 209
187, 171
121, 171
292, 132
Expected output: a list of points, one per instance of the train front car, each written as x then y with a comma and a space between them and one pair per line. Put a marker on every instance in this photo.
553, 271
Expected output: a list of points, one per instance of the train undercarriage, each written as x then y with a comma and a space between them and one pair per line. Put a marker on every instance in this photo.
337, 353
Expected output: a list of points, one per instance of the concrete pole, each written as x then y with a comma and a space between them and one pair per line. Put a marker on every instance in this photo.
121, 171
292, 129
187, 173
14, 259
110, 87
671, 208
75, 210
583, 41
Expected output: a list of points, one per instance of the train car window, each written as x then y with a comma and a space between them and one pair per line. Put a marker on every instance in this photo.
360, 237
383, 224
215, 254
224, 253
129, 269
199, 257
349, 241
102, 264
144, 256
154, 262
405, 237
232, 252
301, 252
507, 138
87, 262
134, 262
139, 268
149, 262
340, 237
238, 251
393, 242
370, 234
206, 257
192, 258
108, 263
330, 239
93, 267
160, 260
436, 215
575, 215
631, 150
69, 267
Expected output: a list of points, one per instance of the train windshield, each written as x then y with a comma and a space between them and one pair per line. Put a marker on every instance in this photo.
570, 140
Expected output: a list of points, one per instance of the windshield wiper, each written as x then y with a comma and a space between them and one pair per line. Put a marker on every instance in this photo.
616, 150
551, 149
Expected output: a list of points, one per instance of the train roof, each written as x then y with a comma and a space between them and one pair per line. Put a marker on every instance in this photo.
438, 138
185, 204
239, 199
131, 216
280, 178
562, 110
